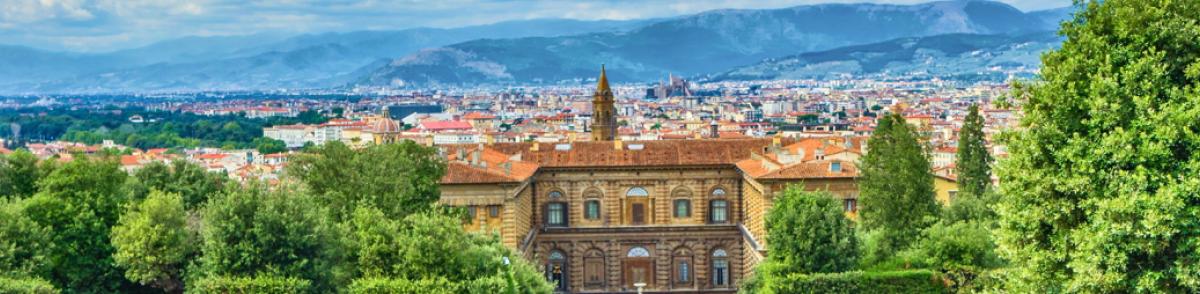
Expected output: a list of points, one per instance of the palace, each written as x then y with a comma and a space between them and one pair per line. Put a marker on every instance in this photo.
679, 216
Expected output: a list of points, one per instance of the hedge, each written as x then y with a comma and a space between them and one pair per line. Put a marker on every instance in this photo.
26, 286
913, 281
401, 286
432, 286
260, 284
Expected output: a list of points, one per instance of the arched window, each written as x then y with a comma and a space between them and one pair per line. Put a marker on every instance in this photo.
683, 208
591, 209
556, 194
638, 252
718, 192
718, 211
720, 269
556, 270
681, 259
637, 192
593, 269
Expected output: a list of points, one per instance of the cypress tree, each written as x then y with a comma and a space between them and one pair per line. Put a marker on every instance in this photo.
896, 188
973, 161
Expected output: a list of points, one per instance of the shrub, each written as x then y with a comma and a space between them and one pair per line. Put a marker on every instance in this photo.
915, 281
26, 286
402, 286
439, 285
259, 284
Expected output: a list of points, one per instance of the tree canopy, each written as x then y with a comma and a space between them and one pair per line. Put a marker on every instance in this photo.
398, 179
152, 241
1100, 192
809, 233
79, 203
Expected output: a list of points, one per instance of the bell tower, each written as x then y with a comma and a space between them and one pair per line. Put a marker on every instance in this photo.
604, 112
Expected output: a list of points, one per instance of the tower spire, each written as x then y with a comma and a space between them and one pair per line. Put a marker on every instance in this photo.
604, 113
602, 84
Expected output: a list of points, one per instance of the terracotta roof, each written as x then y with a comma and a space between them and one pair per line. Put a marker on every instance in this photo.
651, 153
832, 145
813, 169
494, 167
478, 115
5, 150
445, 125
128, 160
212, 156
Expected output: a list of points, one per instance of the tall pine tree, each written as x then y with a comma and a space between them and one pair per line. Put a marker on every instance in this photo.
973, 161
896, 188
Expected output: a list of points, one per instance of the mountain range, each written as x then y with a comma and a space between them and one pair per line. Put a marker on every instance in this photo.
950, 56
724, 44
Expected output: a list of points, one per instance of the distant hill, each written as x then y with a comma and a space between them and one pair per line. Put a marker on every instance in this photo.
252, 62
704, 43
545, 51
951, 56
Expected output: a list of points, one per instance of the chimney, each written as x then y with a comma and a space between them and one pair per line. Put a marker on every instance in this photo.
489, 139
507, 168
848, 144
461, 154
475, 158
618, 145
535, 147
777, 141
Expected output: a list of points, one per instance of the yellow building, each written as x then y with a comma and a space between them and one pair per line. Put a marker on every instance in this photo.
946, 188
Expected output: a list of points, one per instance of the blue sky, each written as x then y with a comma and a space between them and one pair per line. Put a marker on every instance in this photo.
105, 25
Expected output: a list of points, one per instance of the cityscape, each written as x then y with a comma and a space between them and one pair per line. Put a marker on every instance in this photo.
962, 146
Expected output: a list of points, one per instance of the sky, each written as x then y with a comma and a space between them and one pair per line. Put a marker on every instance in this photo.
107, 25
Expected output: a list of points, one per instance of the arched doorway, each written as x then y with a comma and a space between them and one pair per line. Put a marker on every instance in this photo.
638, 267
556, 270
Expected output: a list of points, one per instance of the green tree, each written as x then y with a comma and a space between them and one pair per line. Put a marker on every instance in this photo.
1100, 192
973, 162
433, 246
24, 245
78, 202
152, 241
278, 231
961, 249
398, 179
897, 193
267, 145
194, 184
807, 232
18, 174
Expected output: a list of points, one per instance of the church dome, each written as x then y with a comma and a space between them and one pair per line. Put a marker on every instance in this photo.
386, 125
